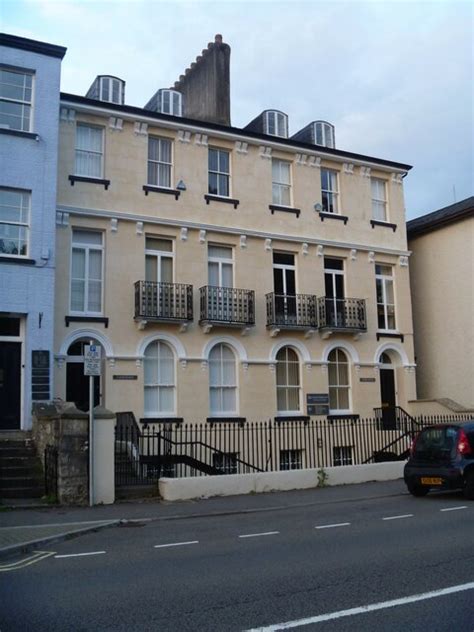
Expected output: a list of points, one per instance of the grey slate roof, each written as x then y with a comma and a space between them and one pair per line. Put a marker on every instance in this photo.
437, 219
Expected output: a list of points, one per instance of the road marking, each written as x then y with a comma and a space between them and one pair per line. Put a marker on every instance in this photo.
163, 546
257, 535
364, 609
454, 508
36, 557
332, 526
398, 517
57, 557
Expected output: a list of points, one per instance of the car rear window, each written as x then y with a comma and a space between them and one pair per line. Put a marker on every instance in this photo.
435, 440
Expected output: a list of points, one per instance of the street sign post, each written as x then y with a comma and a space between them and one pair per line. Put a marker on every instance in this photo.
92, 368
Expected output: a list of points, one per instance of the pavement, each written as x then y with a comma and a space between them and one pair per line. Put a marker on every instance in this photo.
24, 528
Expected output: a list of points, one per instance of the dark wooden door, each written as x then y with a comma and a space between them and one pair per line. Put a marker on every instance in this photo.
10, 385
77, 386
387, 395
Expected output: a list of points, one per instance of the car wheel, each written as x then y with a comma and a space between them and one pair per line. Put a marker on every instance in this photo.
469, 486
417, 490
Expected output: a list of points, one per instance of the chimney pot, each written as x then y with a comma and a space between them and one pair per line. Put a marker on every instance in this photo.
181, 78
193, 65
218, 39
210, 45
198, 59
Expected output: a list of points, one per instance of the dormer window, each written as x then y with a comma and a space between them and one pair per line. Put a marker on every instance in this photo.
276, 123
170, 102
111, 90
324, 134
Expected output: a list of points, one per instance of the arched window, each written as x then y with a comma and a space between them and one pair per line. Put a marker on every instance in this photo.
77, 384
288, 381
160, 385
385, 358
222, 380
339, 382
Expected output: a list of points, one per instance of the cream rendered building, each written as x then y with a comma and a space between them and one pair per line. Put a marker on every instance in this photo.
227, 273
442, 273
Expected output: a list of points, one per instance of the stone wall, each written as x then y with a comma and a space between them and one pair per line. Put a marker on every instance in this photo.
66, 428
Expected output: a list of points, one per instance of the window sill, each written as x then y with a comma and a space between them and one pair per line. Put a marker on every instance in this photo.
220, 198
343, 218
18, 132
87, 319
104, 183
280, 418
284, 209
390, 334
161, 420
24, 261
343, 416
149, 188
234, 420
377, 222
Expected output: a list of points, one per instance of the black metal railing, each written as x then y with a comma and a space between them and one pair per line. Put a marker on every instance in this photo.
342, 313
163, 301
291, 311
51, 471
143, 455
227, 305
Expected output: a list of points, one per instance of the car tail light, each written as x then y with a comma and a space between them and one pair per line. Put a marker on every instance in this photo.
463, 446
413, 444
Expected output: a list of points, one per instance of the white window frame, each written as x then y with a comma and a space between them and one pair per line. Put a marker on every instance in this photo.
342, 455
327, 133
87, 248
160, 254
229, 463
160, 385
384, 280
294, 459
21, 224
279, 123
286, 386
332, 193
160, 162
221, 386
90, 152
24, 103
111, 81
338, 386
279, 185
220, 262
171, 111
379, 198
219, 173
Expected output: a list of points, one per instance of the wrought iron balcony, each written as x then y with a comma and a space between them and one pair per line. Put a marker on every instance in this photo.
227, 306
343, 314
291, 311
163, 301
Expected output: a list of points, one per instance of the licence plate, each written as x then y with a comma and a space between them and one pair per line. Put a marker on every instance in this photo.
431, 481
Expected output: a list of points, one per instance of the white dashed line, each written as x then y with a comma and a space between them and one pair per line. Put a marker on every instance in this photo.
454, 508
164, 546
332, 526
258, 535
364, 609
398, 517
57, 557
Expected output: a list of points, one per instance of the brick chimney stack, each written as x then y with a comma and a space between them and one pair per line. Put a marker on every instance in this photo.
205, 85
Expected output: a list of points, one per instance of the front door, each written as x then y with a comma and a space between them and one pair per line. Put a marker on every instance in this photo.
284, 284
77, 386
387, 396
10, 385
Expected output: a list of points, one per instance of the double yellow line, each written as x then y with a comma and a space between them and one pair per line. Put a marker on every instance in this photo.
32, 559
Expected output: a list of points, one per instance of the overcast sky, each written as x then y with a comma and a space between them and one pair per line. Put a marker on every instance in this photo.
395, 78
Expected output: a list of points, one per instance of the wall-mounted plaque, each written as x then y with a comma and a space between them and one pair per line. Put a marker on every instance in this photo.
40, 375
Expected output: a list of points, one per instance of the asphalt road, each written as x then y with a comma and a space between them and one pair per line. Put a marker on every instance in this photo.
318, 567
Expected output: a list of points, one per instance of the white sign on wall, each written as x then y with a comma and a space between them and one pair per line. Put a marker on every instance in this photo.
92, 358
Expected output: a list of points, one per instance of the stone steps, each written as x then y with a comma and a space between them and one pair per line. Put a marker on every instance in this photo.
21, 471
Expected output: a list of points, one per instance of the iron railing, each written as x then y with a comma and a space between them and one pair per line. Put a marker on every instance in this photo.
51, 471
291, 311
342, 313
163, 301
227, 305
144, 454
